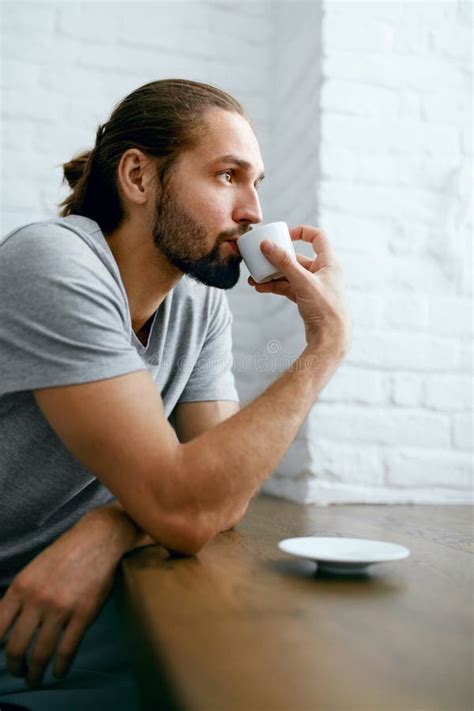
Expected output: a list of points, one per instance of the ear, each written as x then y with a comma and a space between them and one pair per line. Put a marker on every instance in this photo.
137, 176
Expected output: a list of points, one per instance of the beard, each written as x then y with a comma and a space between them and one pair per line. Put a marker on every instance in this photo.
183, 241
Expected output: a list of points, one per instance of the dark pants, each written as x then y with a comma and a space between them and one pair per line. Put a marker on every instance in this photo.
99, 678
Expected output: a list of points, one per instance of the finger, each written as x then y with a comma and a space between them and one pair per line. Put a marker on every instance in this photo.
10, 607
305, 261
285, 262
43, 649
19, 641
252, 281
69, 643
277, 286
320, 242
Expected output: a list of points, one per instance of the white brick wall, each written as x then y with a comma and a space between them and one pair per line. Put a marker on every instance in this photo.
394, 194
65, 65
363, 113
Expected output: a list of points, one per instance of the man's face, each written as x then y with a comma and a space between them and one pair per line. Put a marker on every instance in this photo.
211, 199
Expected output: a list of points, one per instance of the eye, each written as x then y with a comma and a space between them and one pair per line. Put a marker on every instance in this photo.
226, 173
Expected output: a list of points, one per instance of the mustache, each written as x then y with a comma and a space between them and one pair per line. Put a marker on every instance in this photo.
238, 232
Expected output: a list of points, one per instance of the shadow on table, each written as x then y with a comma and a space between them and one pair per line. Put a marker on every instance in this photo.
375, 581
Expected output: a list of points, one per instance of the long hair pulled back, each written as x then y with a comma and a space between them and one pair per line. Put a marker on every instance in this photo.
161, 119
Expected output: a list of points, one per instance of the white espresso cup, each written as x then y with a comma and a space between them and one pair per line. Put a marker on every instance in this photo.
249, 247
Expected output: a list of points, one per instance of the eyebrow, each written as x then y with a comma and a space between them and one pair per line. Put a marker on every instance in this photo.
231, 158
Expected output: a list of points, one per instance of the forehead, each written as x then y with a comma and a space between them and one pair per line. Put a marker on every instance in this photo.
227, 133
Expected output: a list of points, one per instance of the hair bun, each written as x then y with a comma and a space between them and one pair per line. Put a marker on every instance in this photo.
74, 169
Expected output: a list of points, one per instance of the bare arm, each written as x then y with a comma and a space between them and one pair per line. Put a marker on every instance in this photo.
52, 601
130, 536
183, 494
191, 419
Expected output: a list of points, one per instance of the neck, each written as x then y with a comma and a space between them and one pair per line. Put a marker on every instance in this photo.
146, 274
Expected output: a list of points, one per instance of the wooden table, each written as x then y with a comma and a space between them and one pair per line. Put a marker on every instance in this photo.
245, 627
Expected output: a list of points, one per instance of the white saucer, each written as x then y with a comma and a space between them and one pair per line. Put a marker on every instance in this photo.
343, 555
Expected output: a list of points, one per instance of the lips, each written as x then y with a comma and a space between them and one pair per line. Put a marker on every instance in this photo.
232, 245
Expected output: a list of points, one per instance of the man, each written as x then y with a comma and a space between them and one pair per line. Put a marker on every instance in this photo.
115, 429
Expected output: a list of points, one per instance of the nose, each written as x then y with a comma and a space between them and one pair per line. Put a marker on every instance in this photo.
248, 209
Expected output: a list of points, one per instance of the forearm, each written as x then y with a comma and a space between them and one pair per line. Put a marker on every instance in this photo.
225, 466
113, 523
62, 590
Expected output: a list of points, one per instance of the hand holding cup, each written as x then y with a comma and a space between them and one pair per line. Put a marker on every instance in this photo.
315, 285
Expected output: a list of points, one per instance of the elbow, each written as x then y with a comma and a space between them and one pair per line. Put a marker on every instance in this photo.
187, 543
178, 534
197, 536
189, 547
180, 520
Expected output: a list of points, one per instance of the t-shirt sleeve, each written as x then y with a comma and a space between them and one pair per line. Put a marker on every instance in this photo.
211, 377
62, 313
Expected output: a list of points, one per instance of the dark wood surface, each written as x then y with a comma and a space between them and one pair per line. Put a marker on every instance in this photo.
245, 627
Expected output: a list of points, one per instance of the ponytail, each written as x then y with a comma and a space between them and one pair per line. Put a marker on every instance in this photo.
73, 173
76, 173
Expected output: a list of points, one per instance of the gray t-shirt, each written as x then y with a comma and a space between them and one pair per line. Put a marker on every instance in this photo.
64, 319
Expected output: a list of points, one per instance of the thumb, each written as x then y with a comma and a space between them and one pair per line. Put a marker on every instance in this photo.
284, 261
